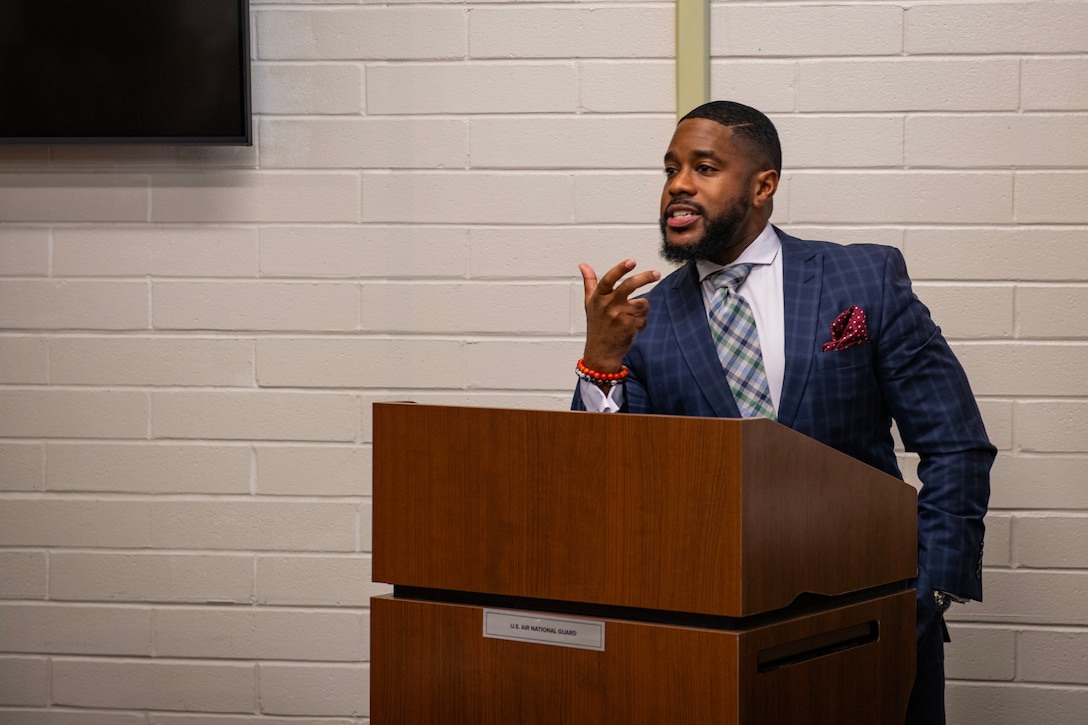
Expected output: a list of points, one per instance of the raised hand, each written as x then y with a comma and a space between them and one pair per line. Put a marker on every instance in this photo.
612, 319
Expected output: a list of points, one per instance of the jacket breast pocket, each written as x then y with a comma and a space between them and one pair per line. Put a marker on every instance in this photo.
851, 357
844, 398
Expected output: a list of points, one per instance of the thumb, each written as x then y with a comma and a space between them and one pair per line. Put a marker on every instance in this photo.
589, 278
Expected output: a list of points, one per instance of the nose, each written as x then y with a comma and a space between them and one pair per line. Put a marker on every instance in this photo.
679, 183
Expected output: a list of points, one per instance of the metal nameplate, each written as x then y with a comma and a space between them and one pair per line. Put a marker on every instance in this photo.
559, 631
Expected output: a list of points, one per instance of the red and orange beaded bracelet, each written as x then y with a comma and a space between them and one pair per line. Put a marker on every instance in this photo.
609, 379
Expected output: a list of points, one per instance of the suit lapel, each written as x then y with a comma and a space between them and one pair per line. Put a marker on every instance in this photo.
802, 277
688, 316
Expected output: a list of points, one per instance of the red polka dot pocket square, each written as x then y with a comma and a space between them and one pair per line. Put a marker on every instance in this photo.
848, 330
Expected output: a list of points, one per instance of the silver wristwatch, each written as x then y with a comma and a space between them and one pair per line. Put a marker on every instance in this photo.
944, 601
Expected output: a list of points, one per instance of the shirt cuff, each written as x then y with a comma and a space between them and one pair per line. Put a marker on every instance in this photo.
595, 399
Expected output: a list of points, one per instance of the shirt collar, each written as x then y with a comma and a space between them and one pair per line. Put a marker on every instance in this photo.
762, 250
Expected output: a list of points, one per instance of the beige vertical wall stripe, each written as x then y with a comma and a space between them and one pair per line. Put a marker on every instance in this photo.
692, 54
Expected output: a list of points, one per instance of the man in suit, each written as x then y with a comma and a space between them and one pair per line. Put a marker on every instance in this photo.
842, 348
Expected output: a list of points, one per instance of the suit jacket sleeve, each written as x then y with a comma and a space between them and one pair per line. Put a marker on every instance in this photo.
931, 401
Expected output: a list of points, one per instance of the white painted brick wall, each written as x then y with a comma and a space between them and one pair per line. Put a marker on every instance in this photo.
470, 87
371, 251
191, 339
166, 467
364, 143
154, 250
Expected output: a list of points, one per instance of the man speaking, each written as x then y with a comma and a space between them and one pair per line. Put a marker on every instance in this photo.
826, 339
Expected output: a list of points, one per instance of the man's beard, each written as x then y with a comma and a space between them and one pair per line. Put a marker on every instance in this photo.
719, 234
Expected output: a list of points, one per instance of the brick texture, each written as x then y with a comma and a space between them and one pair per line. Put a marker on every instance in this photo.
25, 252
313, 470
196, 468
296, 689
160, 251
23, 464
192, 337
91, 630
306, 88
631, 31
154, 685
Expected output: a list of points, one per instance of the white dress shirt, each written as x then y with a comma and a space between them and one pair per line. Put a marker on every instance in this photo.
763, 292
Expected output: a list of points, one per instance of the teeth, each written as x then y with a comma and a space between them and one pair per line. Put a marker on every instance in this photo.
682, 214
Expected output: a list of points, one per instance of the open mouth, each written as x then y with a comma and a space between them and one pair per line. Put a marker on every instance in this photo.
681, 216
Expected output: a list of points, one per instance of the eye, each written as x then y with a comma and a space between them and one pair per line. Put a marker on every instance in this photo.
670, 170
705, 169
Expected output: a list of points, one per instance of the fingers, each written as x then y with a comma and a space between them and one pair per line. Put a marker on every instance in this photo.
640, 307
612, 319
608, 283
631, 285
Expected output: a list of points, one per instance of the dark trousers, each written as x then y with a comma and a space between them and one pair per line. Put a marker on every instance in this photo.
926, 705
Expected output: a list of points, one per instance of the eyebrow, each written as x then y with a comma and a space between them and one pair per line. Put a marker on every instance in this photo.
697, 153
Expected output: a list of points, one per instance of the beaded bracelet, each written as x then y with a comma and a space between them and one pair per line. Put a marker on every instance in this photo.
609, 379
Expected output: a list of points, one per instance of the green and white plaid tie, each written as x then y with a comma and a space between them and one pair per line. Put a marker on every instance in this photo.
734, 330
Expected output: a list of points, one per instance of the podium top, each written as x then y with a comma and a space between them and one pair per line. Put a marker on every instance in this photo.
696, 515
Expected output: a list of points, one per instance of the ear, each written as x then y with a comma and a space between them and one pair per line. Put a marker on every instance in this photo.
764, 184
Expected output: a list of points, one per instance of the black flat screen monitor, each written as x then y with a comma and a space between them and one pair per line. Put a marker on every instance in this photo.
124, 71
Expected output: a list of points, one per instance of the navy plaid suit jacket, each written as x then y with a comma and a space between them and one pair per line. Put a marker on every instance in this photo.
845, 398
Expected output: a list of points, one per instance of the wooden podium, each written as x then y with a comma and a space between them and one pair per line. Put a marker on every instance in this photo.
582, 568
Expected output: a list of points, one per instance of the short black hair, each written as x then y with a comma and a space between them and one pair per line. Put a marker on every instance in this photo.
749, 125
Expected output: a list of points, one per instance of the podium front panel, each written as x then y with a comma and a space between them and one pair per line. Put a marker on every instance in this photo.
432, 663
